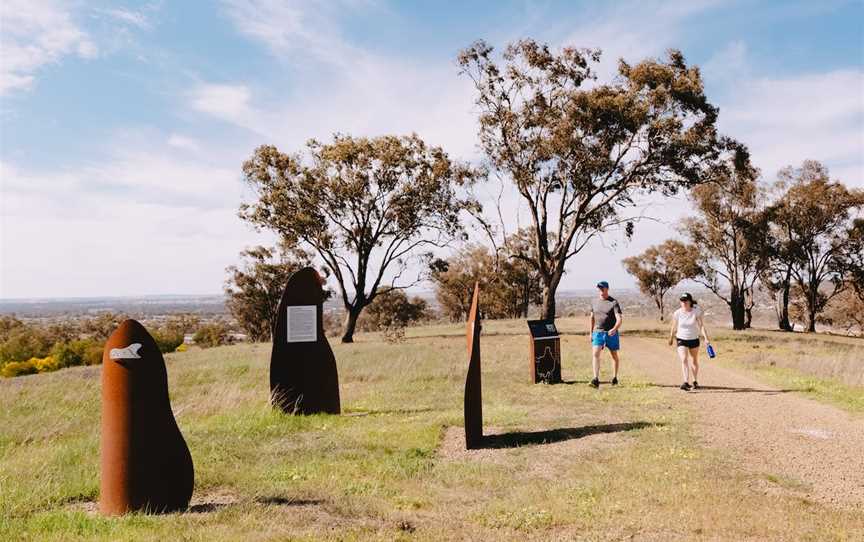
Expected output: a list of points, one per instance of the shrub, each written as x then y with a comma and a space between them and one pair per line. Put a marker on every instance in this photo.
25, 342
18, 368
45, 365
167, 340
214, 334
77, 352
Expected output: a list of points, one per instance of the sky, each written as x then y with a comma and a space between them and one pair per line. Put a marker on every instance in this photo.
123, 126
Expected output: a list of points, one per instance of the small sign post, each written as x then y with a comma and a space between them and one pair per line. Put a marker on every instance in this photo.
545, 352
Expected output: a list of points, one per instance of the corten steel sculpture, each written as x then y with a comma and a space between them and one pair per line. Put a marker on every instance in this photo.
473, 396
303, 376
145, 464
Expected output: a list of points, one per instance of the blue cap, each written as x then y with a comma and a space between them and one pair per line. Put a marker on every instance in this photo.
603, 284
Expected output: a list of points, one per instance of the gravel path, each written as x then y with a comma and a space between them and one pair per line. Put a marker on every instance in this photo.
809, 448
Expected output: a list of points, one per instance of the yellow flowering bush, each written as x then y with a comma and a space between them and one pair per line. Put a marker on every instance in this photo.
46, 364
18, 368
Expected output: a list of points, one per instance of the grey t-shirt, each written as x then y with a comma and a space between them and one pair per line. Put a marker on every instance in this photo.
604, 312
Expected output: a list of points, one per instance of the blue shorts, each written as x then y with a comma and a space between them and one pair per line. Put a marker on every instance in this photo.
602, 338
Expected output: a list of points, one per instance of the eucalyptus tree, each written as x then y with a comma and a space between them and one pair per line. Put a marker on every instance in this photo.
730, 229
580, 151
660, 268
819, 225
368, 207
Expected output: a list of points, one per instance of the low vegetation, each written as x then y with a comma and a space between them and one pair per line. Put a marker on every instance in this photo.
567, 461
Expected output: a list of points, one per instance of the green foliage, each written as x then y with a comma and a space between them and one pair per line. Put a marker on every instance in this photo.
818, 236
391, 312
730, 231
579, 152
660, 268
509, 282
18, 368
254, 290
209, 335
77, 352
167, 340
366, 206
24, 342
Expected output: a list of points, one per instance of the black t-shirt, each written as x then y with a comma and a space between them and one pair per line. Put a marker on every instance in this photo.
604, 312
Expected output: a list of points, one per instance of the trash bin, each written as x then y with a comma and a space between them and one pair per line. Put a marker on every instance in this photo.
545, 351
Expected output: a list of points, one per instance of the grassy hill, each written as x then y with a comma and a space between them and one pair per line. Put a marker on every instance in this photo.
568, 462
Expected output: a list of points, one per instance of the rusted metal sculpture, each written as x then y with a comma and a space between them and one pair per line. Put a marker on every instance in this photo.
145, 464
303, 376
473, 395
545, 352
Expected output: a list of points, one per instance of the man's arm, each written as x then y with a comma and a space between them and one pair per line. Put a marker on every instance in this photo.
619, 318
591, 323
616, 309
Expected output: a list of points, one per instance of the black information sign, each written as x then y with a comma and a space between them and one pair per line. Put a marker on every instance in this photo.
545, 351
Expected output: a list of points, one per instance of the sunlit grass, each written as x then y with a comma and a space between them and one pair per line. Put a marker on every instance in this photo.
382, 470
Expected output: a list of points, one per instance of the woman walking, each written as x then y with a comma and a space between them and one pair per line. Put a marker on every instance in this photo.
687, 324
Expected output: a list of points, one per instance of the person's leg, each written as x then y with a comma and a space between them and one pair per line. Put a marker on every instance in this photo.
685, 366
694, 357
595, 360
613, 350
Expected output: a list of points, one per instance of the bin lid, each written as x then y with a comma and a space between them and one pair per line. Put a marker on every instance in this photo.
542, 329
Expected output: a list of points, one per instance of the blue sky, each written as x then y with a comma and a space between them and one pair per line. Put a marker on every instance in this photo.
124, 124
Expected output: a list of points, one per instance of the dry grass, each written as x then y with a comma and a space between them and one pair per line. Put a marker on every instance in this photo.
568, 463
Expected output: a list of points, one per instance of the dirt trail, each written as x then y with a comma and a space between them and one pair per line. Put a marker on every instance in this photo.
813, 449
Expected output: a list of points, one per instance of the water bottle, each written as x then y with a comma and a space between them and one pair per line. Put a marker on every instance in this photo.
711, 353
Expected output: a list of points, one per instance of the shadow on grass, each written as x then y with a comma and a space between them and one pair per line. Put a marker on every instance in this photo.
533, 438
725, 389
207, 507
379, 412
287, 501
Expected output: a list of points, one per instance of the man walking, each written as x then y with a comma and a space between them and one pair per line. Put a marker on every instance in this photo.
605, 321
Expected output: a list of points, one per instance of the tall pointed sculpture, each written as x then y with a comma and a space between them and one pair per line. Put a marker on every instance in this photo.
303, 376
473, 395
145, 464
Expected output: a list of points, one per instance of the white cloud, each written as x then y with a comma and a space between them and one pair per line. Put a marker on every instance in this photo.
141, 221
811, 116
184, 143
225, 102
128, 16
35, 33
634, 30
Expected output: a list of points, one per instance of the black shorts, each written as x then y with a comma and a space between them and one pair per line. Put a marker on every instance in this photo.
689, 343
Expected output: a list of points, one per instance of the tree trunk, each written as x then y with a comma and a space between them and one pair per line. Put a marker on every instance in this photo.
783, 316
547, 310
737, 306
811, 320
812, 310
659, 302
350, 325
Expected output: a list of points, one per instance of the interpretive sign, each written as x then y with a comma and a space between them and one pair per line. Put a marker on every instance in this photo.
545, 351
302, 320
303, 376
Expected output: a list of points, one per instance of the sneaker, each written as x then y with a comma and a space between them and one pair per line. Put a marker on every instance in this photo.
595, 383
695, 385
685, 386
615, 381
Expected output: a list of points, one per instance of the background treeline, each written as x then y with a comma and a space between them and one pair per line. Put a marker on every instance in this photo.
29, 348
800, 238
580, 153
